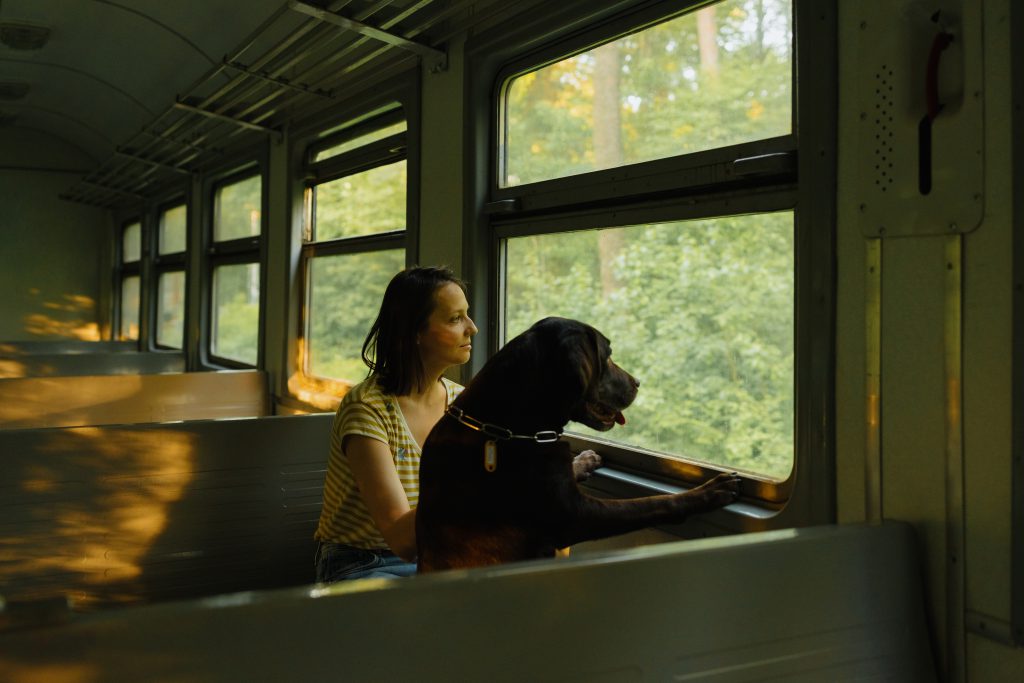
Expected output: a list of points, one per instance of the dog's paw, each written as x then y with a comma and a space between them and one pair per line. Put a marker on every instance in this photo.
717, 492
585, 463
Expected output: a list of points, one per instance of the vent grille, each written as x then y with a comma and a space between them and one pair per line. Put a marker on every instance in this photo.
884, 168
19, 36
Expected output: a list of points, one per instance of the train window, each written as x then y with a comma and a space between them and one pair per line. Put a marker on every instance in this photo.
620, 195
236, 308
360, 141
715, 77
170, 301
363, 203
706, 328
129, 326
129, 279
237, 210
345, 292
131, 243
235, 272
170, 277
355, 240
171, 237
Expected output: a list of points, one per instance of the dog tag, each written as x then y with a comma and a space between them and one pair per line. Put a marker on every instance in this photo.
490, 456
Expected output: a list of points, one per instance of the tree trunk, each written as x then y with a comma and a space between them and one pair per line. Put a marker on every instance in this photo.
707, 42
607, 148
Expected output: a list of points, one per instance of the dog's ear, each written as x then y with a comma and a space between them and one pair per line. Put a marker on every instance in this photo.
584, 353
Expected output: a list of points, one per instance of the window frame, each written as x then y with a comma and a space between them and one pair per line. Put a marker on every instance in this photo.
383, 152
362, 111
250, 249
125, 270
168, 263
797, 169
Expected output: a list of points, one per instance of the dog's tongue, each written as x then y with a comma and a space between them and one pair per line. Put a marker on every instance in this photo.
620, 418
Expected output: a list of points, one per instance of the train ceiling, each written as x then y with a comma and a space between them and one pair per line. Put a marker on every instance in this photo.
152, 90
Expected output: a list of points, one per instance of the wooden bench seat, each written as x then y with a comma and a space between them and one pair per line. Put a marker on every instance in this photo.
78, 364
9, 349
141, 513
118, 399
836, 603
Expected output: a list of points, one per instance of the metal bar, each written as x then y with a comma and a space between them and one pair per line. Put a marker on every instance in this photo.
955, 541
282, 82
873, 379
223, 117
243, 46
183, 143
437, 57
156, 164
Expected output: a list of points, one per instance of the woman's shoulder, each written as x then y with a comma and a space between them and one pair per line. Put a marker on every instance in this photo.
367, 393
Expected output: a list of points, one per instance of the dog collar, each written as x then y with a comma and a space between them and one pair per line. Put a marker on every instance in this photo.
498, 432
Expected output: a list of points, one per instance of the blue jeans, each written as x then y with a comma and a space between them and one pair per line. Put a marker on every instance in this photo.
339, 562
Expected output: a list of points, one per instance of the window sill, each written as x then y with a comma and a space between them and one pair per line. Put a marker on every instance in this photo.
615, 483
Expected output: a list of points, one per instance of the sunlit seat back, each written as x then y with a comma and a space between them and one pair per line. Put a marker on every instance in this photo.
119, 399
140, 513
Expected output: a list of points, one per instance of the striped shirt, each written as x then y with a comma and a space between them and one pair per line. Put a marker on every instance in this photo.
367, 411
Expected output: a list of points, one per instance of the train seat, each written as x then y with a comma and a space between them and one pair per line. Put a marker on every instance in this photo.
833, 603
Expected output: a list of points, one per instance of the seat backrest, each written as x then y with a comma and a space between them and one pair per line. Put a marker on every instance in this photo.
140, 513
838, 603
76, 364
9, 349
121, 399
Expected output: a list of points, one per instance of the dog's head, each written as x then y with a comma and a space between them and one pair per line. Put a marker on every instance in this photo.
602, 389
558, 370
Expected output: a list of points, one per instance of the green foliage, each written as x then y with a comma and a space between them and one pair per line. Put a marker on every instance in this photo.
345, 295
672, 97
237, 209
236, 291
363, 203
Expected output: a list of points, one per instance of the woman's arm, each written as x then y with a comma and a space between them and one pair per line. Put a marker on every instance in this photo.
374, 470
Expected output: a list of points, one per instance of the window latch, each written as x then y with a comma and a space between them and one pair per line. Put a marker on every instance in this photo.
501, 206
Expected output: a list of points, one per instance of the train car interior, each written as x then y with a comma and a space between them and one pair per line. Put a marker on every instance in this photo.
795, 221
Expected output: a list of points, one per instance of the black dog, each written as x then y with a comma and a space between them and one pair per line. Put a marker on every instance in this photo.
496, 484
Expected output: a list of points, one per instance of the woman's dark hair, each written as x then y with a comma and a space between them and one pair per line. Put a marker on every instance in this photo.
390, 348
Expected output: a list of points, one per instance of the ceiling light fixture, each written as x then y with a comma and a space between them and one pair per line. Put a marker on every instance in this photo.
13, 90
22, 36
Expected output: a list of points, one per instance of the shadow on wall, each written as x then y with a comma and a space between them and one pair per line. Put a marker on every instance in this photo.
71, 316
81, 512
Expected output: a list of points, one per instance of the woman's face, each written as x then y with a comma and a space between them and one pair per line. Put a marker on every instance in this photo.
446, 339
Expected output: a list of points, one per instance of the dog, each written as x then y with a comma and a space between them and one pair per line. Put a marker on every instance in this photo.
497, 484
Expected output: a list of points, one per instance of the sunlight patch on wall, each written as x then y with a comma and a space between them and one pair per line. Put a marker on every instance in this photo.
72, 316
11, 368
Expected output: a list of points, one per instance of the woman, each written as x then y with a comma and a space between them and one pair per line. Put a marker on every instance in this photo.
368, 521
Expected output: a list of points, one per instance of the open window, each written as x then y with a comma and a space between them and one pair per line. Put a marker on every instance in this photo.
354, 241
